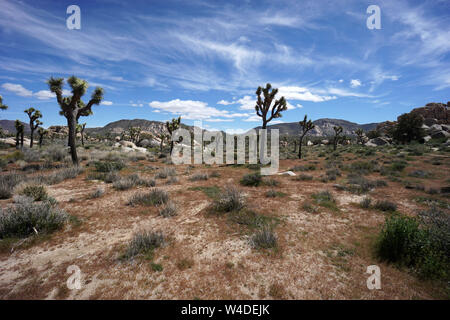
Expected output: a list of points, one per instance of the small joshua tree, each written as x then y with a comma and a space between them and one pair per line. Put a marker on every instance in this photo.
135, 134
2, 106
265, 109
41, 132
80, 129
171, 127
359, 136
163, 137
306, 125
34, 116
337, 136
73, 107
19, 133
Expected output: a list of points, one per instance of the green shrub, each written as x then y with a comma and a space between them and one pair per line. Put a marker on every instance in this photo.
109, 166
325, 199
251, 179
8, 182
36, 192
365, 203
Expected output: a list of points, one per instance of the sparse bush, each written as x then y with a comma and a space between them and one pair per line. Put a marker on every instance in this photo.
169, 210
358, 184
273, 193
303, 177
309, 207
385, 205
143, 243
55, 153
198, 177
365, 203
325, 199
264, 239
26, 215
30, 155
97, 193
307, 167
155, 197
7, 184
438, 223
172, 180
398, 165
419, 174
215, 174
271, 182
231, 199
165, 172
251, 179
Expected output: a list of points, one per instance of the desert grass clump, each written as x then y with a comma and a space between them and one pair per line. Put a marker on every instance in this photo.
307, 167
385, 205
251, 179
198, 177
144, 243
154, 197
27, 217
271, 182
303, 177
214, 174
8, 182
55, 153
166, 172
358, 184
365, 203
169, 210
309, 207
325, 199
97, 193
264, 238
30, 155
273, 193
232, 199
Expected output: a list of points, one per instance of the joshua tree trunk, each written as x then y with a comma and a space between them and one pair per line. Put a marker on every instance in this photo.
41, 139
295, 145
17, 139
31, 138
21, 139
72, 123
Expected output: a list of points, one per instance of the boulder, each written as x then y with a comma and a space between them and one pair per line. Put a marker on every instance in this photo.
309, 143
128, 144
445, 127
434, 111
427, 138
430, 121
440, 134
325, 141
435, 128
379, 141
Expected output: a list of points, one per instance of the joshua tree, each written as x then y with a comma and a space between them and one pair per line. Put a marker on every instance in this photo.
337, 136
80, 129
306, 125
34, 116
19, 133
163, 137
359, 136
135, 134
41, 132
2, 106
264, 106
73, 107
171, 127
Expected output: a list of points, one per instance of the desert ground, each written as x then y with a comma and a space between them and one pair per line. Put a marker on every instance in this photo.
322, 251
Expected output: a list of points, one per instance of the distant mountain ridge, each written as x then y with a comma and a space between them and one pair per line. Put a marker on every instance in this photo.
323, 127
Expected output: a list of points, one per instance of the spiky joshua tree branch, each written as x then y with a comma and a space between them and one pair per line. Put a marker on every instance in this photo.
264, 107
306, 125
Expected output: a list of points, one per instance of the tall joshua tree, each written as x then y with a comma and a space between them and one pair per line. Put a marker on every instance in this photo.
306, 125
41, 132
34, 116
80, 129
264, 107
163, 137
2, 106
73, 107
19, 133
337, 136
171, 127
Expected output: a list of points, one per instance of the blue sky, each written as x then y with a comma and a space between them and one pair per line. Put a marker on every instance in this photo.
203, 60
